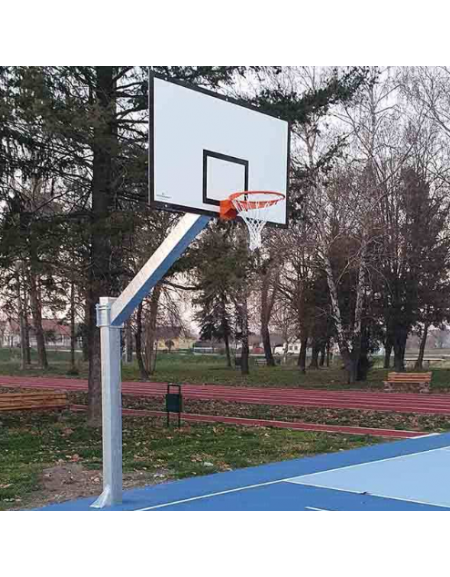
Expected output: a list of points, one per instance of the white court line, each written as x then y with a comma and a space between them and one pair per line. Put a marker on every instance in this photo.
330, 488
211, 495
293, 480
315, 509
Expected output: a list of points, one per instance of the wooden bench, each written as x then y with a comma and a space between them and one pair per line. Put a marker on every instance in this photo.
39, 401
258, 361
409, 382
426, 361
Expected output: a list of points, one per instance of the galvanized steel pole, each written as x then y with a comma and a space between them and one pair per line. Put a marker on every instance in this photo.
111, 406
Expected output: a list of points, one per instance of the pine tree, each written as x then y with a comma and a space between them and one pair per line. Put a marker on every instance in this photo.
215, 272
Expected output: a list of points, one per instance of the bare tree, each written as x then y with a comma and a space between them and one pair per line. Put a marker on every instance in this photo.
284, 321
270, 262
297, 281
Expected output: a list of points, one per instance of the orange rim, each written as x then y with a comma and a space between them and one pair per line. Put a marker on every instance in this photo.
229, 212
251, 204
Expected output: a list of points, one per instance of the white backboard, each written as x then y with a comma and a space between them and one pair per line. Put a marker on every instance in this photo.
205, 147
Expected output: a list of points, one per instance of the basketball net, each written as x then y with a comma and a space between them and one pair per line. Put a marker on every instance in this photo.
254, 208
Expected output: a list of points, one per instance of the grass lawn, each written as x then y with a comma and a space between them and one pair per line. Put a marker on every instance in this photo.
343, 417
47, 458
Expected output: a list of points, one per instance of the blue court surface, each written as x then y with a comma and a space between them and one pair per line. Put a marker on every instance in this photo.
412, 475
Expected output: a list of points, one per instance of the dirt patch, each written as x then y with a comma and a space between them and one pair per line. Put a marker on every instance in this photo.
71, 481
70, 478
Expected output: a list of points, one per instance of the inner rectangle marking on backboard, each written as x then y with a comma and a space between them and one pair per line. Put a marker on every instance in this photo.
223, 175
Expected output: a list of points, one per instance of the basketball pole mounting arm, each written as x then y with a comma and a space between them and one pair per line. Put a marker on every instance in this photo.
111, 314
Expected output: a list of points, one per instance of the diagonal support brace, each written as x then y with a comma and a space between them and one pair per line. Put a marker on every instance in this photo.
157, 266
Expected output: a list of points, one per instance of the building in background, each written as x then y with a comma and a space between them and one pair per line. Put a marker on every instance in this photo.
174, 339
57, 334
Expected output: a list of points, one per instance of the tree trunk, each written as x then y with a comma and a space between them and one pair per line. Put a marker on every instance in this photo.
364, 363
351, 365
387, 355
150, 331
285, 353
22, 327
349, 348
423, 344
302, 355
245, 366
352, 371
399, 362
226, 340
316, 348
323, 352
26, 334
225, 322
36, 313
400, 350
94, 374
138, 337
269, 278
265, 334
73, 338
84, 336
245, 356
101, 281
329, 354
128, 343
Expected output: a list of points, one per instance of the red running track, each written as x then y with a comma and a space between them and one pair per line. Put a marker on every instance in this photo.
436, 404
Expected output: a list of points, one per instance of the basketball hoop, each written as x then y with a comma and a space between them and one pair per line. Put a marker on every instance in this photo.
254, 208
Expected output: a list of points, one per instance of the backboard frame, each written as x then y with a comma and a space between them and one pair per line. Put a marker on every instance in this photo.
207, 153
